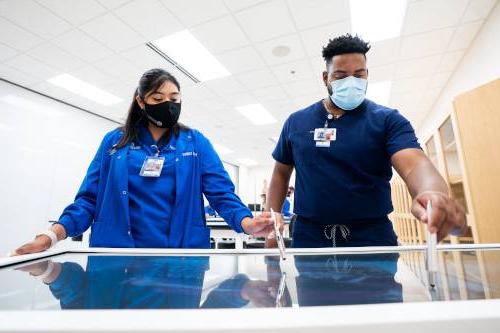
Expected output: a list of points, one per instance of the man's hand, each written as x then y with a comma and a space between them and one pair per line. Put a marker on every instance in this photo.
259, 226
448, 217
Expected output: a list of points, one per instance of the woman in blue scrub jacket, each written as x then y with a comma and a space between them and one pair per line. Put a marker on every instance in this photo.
145, 184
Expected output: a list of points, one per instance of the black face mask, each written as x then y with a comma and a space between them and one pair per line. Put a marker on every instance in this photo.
164, 115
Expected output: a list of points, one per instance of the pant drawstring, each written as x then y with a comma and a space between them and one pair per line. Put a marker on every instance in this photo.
330, 232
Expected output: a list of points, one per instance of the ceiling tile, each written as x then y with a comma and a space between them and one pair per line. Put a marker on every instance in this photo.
225, 86
294, 71
256, 79
110, 4
313, 13
257, 20
112, 32
210, 35
464, 35
268, 94
381, 73
32, 66
92, 75
34, 18
236, 5
55, 57
450, 61
197, 93
409, 85
119, 67
417, 67
193, 12
16, 76
74, 11
155, 20
303, 101
315, 39
292, 42
427, 15
478, 10
240, 99
145, 58
241, 60
121, 89
383, 52
398, 101
303, 88
16, 37
81, 45
425, 44
6, 52
439, 80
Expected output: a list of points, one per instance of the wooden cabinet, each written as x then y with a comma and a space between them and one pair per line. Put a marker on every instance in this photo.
465, 149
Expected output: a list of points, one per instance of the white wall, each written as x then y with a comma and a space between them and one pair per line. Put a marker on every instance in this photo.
252, 180
480, 64
46, 149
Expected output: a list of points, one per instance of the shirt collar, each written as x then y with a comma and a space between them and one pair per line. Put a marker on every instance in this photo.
324, 113
146, 138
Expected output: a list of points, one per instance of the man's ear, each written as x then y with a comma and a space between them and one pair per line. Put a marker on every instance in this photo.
325, 78
139, 101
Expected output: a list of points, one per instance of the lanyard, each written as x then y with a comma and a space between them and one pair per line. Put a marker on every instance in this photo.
155, 147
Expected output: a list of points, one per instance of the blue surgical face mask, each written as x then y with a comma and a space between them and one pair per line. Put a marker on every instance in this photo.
348, 93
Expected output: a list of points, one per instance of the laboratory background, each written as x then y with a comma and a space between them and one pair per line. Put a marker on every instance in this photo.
242, 69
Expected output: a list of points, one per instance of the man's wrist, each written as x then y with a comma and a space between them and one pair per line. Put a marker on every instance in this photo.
445, 194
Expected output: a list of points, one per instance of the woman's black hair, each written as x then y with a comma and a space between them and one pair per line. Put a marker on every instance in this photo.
150, 81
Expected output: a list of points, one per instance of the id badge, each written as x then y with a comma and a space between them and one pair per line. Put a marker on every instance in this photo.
152, 166
323, 136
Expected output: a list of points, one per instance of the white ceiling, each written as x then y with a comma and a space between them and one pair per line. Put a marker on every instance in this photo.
103, 43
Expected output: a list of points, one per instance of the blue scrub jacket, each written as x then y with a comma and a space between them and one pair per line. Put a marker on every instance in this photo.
102, 200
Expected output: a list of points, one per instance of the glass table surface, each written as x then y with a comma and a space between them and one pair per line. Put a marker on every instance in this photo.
146, 281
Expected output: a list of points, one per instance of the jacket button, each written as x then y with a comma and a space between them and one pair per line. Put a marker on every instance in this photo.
119, 156
124, 192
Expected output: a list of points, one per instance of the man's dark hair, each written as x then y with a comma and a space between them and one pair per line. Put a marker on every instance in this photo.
345, 44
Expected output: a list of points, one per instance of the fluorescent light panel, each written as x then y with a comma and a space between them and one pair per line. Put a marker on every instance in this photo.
257, 114
84, 89
246, 161
379, 92
377, 20
183, 48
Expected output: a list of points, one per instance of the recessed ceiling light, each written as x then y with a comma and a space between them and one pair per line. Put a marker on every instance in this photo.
84, 89
379, 92
281, 51
247, 162
377, 20
257, 114
184, 51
